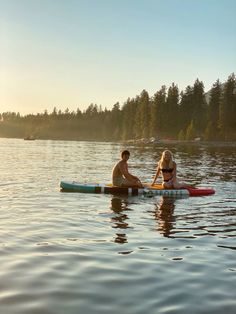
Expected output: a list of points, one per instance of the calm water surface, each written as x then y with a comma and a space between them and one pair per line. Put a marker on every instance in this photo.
79, 253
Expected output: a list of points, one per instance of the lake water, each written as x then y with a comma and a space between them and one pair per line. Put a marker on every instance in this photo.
83, 253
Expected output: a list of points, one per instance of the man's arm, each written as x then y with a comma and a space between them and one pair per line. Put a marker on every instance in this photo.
125, 172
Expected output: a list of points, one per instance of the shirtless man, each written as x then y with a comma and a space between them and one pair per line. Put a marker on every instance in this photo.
121, 175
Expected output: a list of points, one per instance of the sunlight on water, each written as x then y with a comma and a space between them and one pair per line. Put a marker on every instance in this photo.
91, 253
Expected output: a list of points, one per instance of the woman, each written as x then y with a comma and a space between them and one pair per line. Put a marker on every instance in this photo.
167, 167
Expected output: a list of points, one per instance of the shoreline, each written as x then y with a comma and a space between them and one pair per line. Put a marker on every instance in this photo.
138, 142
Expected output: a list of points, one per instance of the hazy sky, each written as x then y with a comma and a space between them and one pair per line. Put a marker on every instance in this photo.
71, 53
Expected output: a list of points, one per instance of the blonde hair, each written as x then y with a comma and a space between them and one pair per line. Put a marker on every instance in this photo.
163, 164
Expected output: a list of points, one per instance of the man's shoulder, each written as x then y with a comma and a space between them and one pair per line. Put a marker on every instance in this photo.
121, 162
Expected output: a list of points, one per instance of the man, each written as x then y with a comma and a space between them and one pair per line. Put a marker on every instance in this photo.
121, 175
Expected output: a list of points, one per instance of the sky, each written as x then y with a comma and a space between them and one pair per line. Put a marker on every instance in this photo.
72, 53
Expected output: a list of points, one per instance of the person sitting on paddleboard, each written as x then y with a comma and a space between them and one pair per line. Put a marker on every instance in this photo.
167, 167
121, 175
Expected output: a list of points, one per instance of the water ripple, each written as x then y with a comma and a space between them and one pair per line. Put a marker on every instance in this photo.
78, 253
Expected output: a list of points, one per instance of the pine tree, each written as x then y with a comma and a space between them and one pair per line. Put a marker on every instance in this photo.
171, 109
191, 131
144, 106
137, 119
212, 131
181, 135
227, 115
157, 124
186, 107
115, 122
199, 106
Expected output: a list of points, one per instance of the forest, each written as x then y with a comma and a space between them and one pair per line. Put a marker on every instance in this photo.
168, 114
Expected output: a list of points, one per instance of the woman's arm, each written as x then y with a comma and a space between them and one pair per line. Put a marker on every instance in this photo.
156, 175
175, 171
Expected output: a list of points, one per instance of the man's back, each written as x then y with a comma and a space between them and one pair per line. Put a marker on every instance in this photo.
118, 169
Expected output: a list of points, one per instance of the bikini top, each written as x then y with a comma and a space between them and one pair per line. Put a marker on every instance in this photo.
167, 170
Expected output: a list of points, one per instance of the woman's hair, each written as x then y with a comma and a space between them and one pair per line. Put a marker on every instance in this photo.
163, 163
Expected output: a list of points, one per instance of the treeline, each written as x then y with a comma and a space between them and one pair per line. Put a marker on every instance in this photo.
170, 113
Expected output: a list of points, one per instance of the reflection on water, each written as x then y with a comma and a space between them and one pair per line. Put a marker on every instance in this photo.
164, 214
119, 219
70, 253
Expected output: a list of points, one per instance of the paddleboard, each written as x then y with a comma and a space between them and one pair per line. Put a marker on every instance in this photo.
157, 189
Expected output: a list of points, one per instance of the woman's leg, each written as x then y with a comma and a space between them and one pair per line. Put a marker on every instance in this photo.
173, 184
167, 184
179, 185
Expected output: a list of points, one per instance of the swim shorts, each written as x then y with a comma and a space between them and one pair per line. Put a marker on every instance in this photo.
119, 181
